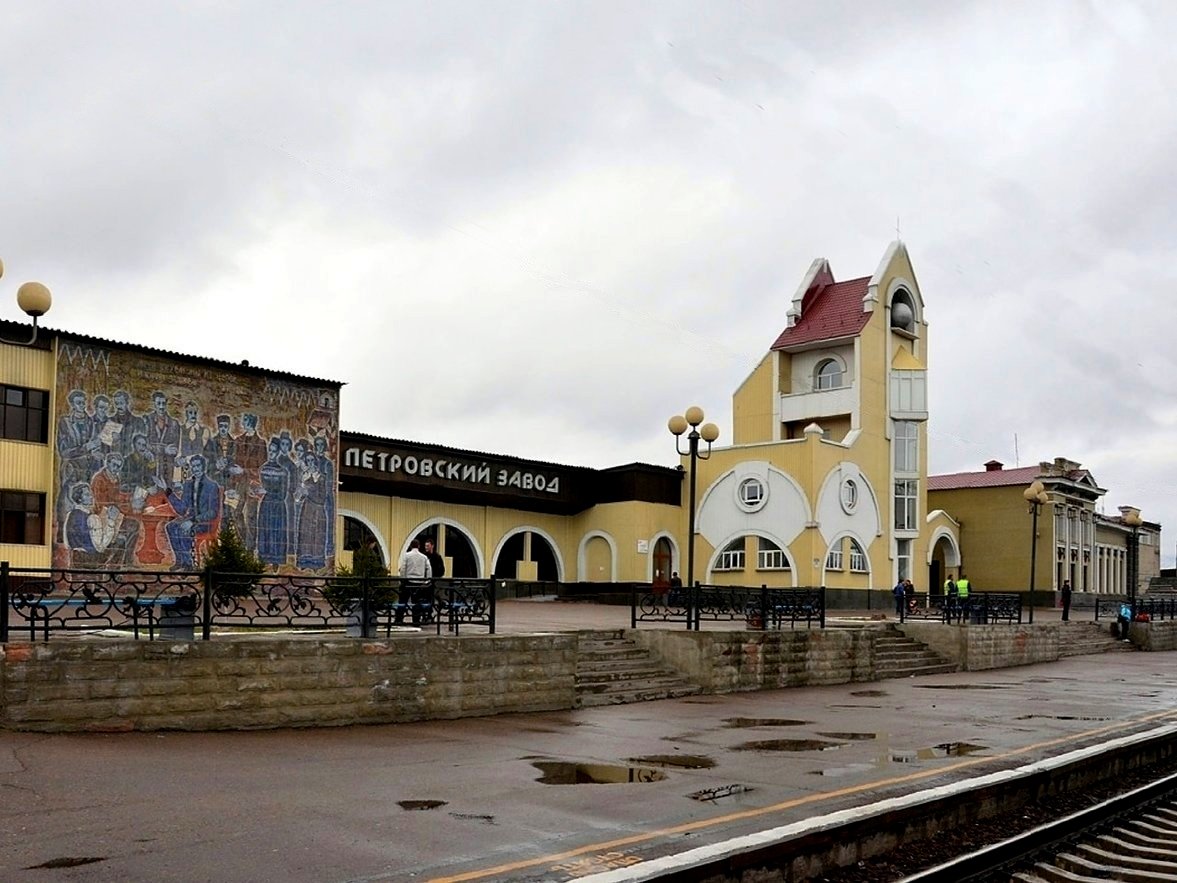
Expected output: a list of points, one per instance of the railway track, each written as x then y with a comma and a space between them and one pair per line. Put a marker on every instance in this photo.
1130, 837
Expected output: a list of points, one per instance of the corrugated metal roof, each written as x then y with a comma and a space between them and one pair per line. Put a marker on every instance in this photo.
996, 478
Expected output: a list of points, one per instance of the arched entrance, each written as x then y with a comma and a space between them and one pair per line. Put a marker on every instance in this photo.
943, 561
454, 545
527, 555
356, 534
663, 560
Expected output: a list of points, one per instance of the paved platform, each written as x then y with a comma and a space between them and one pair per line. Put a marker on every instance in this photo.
462, 800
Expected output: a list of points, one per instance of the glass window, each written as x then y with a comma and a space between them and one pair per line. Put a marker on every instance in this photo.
907, 446
834, 559
751, 493
903, 558
857, 558
829, 374
22, 518
770, 556
848, 495
25, 414
732, 557
906, 491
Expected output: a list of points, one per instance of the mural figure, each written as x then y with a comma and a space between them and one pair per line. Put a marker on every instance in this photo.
97, 537
286, 460
250, 455
329, 480
128, 424
163, 438
101, 420
272, 521
198, 514
312, 515
193, 437
76, 442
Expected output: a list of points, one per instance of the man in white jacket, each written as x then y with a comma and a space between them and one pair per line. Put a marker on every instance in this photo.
416, 573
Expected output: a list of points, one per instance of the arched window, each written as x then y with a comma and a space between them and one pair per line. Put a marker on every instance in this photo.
732, 557
858, 561
902, 312
770, 556
828, 374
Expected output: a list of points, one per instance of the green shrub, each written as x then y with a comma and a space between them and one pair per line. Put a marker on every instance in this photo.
231, 564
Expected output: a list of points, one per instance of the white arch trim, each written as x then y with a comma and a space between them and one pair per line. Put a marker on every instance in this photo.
751, 532
841, 535
448, 522
582, 564
702, 502
675, 555
524, 528
952, 559
380, 538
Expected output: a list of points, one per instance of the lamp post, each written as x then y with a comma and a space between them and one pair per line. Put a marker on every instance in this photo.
34, 299
709, 432
1035, 495
1130, 516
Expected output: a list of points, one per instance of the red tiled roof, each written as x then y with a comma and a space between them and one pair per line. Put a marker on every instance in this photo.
995, 478
828, 312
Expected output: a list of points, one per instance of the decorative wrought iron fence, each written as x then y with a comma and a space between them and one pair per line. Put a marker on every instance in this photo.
758, 608
1121, 608
180, 604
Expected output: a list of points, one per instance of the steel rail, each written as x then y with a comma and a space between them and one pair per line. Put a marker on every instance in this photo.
1010, 854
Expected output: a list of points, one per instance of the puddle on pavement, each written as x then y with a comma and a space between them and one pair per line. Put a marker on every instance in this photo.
864, 693
851, 737
564, 773
677, 761
1060, 717
764, 722
420, 804
857, 706
962, 686
789, 745
721, 794
67, 862
944, 749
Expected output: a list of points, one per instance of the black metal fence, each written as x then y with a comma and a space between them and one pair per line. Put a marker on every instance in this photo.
186, 604
1121, 608
758, 608
979, 608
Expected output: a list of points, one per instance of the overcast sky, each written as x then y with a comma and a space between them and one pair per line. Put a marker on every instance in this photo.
540, 229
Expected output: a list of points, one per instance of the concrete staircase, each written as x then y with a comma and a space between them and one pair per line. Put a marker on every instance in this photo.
898, 656
1084, 638
612, 670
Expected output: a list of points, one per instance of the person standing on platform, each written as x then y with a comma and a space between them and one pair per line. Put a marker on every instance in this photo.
909, 595
962, 596
437, 566
1066, 593
900, 593
415, 574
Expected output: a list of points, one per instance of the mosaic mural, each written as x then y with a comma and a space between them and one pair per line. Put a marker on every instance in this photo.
155, 454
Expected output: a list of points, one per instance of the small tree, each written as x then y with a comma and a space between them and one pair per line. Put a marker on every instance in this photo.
233, 563
366, 564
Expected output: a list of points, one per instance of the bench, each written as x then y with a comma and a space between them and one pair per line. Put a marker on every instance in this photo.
41, 610
173, 614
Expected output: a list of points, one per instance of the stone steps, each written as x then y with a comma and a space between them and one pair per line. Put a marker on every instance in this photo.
612, 670
1089, 638
898, 656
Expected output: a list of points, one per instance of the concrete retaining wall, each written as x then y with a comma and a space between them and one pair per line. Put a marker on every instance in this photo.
245, 684
1154, 635
983, 647
730, 662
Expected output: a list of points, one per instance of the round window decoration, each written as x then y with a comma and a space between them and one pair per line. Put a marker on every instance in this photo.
752, 494
849, 495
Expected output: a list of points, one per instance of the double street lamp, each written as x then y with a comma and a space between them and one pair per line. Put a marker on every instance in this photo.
35, 300
1036, 496
709, 432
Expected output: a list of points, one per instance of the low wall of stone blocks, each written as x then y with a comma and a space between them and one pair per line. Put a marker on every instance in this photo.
730, 662
1161, 635
984, 647
265, 683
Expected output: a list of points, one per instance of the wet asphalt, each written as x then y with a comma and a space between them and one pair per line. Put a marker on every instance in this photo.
549, 796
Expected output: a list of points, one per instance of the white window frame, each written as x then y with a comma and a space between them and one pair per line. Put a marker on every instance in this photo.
834, 559
732, 557
858, 560
903, 558
823, 379
770, 556
906, 500
907, 447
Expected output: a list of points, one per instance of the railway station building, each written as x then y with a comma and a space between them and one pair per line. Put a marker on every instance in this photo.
119, 455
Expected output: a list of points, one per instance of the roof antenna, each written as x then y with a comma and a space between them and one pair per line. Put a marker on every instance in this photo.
897, 236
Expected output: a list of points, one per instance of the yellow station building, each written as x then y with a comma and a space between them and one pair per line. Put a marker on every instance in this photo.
118, 455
